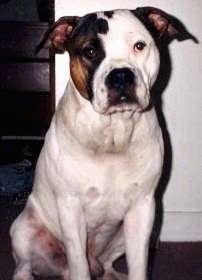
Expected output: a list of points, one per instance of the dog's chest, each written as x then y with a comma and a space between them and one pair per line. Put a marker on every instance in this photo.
106, 208
108, 194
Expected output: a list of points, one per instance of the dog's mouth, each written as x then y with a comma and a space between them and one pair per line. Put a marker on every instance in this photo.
123, 91
116, 102
122, 108
121, 101
122, 96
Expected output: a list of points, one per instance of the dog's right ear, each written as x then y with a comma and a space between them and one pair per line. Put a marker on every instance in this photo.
163, 25
57, 36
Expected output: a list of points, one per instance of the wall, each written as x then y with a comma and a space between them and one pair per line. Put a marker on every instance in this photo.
182, 106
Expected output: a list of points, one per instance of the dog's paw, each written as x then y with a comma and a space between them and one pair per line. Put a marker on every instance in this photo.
22, 276
113, 275
96, 268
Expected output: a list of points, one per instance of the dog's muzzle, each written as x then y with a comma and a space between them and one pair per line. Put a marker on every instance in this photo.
121, 84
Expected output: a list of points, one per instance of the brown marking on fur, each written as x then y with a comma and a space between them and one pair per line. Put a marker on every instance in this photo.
82, 67
44, 240
51, 246
79, 74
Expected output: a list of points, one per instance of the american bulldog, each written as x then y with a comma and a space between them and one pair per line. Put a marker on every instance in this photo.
93, 192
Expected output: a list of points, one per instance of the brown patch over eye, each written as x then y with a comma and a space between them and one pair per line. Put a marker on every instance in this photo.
79, 74
86, 53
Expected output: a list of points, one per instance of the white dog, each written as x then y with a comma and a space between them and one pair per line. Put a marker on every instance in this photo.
93, 193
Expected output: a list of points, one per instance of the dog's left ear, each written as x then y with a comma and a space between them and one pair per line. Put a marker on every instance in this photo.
58, 35
163, 25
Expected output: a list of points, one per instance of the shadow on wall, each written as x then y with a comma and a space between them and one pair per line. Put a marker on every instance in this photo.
156, 93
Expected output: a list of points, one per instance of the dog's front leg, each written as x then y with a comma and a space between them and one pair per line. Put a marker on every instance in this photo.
73, 227
137, 229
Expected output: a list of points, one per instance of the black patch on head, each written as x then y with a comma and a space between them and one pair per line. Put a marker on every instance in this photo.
149, 26
109, 14
85, 26
102, 26
90, 25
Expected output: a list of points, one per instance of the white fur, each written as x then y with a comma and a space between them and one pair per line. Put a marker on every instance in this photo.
96, 170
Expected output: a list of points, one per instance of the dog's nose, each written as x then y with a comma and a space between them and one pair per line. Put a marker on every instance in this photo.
120, 83
120, 79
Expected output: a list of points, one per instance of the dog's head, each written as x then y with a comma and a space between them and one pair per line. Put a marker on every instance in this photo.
114, 58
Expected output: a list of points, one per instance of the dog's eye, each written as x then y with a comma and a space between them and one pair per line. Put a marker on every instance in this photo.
139, 46
90, 52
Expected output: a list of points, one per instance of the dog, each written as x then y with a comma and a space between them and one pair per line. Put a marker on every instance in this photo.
93, 193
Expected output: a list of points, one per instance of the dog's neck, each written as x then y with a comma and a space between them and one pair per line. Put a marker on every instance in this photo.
98, 132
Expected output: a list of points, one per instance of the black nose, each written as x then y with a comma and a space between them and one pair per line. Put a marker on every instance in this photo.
120, 79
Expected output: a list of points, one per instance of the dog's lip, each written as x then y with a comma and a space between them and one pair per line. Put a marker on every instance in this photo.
122, 108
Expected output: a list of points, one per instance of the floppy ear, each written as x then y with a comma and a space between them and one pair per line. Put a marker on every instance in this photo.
162, 24
56, 37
